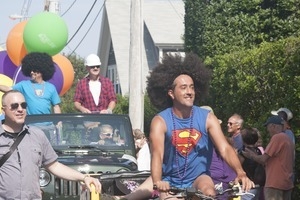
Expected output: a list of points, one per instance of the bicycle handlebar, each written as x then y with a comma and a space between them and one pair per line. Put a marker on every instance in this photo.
234, 190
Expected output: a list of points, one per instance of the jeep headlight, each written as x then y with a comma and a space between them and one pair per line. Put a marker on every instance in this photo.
45, 178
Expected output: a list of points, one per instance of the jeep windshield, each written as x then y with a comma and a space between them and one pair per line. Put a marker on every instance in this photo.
85, 132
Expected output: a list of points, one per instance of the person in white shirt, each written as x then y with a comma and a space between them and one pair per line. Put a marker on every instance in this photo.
143, 151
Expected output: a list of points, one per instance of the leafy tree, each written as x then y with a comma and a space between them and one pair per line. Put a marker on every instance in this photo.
149, 112
253, 48
67, 105
217, 27
122, 106
254, 82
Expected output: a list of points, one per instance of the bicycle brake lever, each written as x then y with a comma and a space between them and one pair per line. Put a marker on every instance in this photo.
237, 188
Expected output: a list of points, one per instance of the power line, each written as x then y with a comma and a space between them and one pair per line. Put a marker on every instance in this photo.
68, 8
89, 28
82, 22
180, 16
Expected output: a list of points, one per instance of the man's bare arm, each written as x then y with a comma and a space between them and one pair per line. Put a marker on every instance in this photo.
157, 139
227, 152
56, 109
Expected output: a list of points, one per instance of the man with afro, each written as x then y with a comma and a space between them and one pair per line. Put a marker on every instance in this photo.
39, 94
182, 135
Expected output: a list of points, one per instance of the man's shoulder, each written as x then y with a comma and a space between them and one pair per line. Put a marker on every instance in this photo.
85, 79
164, 112
22, 83
104, 79
289, 132
49, 85
34, 129
280, 137
200, 109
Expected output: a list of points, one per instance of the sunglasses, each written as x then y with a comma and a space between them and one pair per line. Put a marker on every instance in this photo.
15, 106
230, 123
107, 134
92, 67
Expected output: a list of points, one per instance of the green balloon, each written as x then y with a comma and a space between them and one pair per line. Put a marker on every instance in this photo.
45, 32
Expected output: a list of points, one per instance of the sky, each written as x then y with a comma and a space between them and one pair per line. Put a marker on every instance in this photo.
73, 12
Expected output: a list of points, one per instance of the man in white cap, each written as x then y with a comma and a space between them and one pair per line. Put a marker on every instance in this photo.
286, 115
278, 160
94, 93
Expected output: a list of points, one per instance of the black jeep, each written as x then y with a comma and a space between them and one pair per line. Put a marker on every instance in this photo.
76, 140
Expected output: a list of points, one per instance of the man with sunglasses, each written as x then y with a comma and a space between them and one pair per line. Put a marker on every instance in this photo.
19, 174
106, 135
41, 95
94, 93
234, 126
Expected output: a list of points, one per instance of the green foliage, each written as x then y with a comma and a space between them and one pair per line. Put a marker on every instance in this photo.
67, 105
251, 76
149, 112
254, 82
122, 106
223, 26
78, 65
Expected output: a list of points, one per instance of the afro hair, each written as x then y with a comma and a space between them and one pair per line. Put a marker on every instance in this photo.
163, 75
38, 62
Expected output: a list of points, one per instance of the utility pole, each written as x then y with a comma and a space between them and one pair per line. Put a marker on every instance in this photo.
136, 94
49, 5
52, 6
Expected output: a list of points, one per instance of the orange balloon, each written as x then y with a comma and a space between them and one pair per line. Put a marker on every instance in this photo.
15, 45
67, 70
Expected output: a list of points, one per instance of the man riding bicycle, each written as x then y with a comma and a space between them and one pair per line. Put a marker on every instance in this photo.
182, 135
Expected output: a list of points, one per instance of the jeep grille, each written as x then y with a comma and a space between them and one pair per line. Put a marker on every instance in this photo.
67, 188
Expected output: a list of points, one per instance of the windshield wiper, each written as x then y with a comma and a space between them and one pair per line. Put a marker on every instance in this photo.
86, 147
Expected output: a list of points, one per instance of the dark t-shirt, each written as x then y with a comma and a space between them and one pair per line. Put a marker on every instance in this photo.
251, 167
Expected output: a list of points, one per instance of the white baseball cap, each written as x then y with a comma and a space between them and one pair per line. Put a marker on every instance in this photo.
287, 111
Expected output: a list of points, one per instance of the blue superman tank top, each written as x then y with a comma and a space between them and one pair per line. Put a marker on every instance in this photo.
194, 147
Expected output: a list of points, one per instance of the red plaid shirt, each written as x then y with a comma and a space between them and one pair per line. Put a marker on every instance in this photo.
84, 96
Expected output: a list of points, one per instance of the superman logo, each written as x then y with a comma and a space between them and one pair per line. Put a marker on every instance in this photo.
185, 140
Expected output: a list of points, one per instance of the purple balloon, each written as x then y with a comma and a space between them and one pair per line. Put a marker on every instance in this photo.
57, 79
7, 67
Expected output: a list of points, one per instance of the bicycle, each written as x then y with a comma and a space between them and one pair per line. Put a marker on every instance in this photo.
111, 189
234, 192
